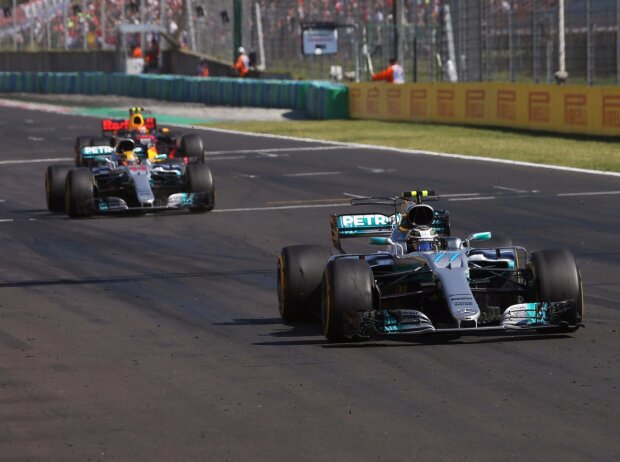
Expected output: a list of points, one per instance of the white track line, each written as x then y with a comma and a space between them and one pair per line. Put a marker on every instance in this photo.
333, 144
504, 188
594, 193
311, 174
480, 198
35, 161
282, 207
408, 151
277, 150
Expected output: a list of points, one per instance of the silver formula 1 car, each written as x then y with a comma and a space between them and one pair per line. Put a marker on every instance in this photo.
425, 281
124, 179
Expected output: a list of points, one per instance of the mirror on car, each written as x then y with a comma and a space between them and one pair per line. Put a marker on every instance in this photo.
380, 241
485, 236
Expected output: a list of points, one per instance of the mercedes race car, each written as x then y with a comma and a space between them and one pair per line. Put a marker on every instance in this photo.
425, 281
144, 132
128, 178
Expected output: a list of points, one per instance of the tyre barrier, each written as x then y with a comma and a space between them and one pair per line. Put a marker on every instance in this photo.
320, 100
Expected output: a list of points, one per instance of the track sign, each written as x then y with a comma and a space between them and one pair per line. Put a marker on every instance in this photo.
319, 38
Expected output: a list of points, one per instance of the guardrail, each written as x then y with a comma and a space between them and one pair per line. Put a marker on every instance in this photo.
320, 100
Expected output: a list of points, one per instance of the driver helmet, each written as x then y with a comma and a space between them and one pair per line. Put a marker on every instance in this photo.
126, 144
137, 123
419, 219
128, 158
423, 239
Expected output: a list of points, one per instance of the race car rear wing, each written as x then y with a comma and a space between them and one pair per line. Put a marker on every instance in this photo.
346, 226
361, 225
113, 126
95, 155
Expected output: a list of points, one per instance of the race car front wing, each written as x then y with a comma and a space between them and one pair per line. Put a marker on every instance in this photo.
523, 318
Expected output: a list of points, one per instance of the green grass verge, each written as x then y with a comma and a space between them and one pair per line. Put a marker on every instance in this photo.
541, 148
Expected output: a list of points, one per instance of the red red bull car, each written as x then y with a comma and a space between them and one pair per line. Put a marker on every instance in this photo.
159, 142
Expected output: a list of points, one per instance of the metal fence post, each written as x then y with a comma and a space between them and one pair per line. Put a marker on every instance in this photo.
461, 42
589, 39
236, 27
163, 8
535, 45
561, 74
48, 32
84, 26
618, 42
511, 48
103, 21
431, 32
190, 22
14, 16
65, 15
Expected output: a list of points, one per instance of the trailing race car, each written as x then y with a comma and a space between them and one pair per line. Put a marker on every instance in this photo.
425, 281
145, 133
128, 179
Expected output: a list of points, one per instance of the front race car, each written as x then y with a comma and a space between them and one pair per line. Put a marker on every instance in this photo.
425, 281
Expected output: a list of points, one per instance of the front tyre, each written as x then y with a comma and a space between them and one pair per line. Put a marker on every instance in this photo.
79, 193
55, 180
557, 278
300, 270
199, 182
347, 289
192, 147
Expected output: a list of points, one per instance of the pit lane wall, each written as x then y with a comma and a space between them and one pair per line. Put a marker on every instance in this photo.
552, 108
320, 100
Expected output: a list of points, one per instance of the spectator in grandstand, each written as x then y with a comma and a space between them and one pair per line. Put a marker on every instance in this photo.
394, 73
242, 66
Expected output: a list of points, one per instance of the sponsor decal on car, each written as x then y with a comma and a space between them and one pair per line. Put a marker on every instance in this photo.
97, 150
372, 220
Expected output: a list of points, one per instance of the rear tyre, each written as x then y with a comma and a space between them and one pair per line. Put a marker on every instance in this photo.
347, 289
55, 179
200, 183
79, 193
80, 142
300, 270
192, 147
557, 278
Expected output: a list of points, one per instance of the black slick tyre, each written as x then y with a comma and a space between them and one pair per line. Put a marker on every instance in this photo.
300, 271
557, 278
347, 288
192, 147
79, 193
55, 179
199, 181
80, 142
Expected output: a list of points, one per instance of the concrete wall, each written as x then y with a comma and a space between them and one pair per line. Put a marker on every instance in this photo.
178, 62
58, 61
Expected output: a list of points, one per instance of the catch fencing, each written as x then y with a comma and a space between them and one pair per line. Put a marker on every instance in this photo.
435, 40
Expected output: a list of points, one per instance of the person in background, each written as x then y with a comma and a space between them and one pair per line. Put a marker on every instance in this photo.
394, 73
242, 66
203, 69
151, 59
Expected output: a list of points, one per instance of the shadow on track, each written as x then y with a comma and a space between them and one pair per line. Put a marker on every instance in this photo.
306, 330
132, 279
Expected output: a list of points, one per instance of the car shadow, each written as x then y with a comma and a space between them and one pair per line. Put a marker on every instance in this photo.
297, 334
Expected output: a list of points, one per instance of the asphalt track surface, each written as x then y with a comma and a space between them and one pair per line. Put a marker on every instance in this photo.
157, 337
